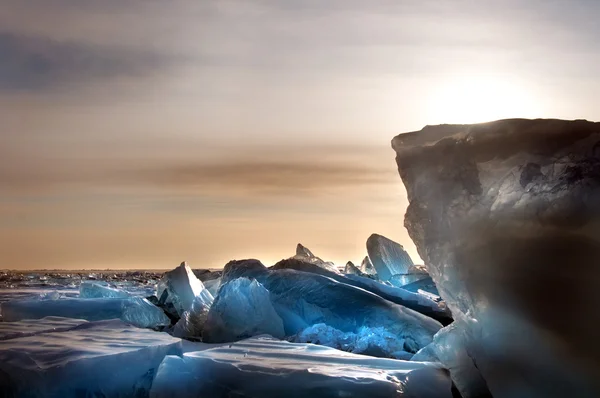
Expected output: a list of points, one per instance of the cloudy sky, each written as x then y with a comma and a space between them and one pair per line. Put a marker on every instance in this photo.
140, 133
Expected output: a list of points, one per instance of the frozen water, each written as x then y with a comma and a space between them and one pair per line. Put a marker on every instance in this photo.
367, 267
303, 254
192, 321
95, 289
242, 309
448, 347
264, 367
134, 310
212, 286
388, 257
352, 269
95, 359
178, 288
401, 280
32, 327
375, 341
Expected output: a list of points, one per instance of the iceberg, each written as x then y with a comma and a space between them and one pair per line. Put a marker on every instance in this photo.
134, 310
388, 257
242, 309
264, 367
505, 215
178, 288
92, 359
302, 299
94, 289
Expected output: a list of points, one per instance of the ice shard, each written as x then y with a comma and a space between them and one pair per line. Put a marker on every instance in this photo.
96, 359
96, 289
303, 254
134, 310
268, 368
178, 288
367, 267
388, 257
505, 215
242, 309
191, 323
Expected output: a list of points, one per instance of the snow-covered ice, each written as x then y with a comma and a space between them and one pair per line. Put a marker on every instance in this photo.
242, 309
91, 359
135, 310
264, 367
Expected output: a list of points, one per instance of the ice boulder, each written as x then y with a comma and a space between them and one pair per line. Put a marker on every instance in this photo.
303, 254
178, 288
268, 368
134, 310
242, 309
505, 215
95, 359
94, 289
388, 257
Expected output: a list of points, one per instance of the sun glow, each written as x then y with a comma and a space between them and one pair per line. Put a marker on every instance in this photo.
475, 99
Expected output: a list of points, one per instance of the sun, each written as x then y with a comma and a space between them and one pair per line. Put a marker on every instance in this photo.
476, 99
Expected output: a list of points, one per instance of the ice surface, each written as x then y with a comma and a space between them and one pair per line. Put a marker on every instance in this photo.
448, 347
32, 327
402, 280
134, 310
264, 367
178, 288
242, 309
303, 254
95, 359
388, 257
375, 341
95, 289
191, 323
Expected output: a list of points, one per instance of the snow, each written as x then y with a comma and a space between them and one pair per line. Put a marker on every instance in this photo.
135, 310
178, 288
84, 359
388, 257
242, 309
264, 367
95, 289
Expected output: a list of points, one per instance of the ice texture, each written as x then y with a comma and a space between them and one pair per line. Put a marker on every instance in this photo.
505, 215
95, 359
303, 254
242, 309
388, 257
213, 286
303, 299
32, 327
264, 367
376, 341
95, 289
411, 300
178, 288
134, 310
191, 323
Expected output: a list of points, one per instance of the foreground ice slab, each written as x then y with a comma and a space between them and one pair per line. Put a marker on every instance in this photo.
95, 359
263, 367
95, 289
302, 299
388, 257
505, 215
134, 310
178, 288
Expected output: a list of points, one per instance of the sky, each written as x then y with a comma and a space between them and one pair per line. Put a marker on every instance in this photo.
142, 133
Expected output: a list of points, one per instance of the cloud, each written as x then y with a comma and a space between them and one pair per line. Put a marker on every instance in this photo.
38, 63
